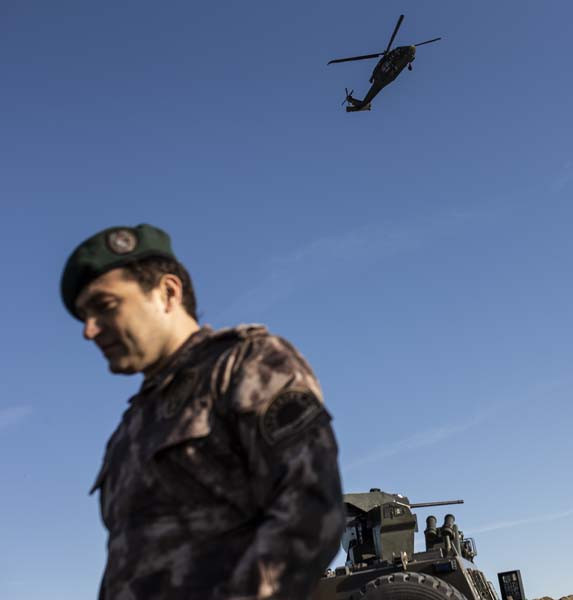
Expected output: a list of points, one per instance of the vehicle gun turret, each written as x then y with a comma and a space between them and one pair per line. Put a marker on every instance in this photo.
381, 563
381, 526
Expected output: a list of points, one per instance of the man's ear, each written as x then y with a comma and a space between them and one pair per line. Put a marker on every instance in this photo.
171, 291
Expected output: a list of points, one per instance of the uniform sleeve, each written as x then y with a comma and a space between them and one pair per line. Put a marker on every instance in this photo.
285, 432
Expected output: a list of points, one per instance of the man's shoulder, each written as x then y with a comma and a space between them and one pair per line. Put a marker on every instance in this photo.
231, 341
209, 345
243, 331
261, 365
253, 343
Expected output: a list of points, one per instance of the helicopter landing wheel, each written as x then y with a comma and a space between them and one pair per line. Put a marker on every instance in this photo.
409, 586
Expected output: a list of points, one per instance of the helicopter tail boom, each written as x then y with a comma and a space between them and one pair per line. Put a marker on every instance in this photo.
355, 104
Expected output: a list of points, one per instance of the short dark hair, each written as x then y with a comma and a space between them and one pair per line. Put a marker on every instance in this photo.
148, 272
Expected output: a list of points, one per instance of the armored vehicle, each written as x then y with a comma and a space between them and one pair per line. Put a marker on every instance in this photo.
381, 563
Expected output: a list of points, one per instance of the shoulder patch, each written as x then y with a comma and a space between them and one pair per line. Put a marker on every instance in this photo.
289, 413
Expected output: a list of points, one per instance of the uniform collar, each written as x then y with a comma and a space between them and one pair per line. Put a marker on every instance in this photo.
176, 359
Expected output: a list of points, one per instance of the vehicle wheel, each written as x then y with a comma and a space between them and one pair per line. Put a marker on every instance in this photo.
408, 586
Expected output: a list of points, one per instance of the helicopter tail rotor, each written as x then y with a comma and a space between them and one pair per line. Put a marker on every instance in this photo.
347, 96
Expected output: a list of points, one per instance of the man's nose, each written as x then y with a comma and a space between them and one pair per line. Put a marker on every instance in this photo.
91, 328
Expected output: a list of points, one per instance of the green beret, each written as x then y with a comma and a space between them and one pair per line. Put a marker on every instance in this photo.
111, 248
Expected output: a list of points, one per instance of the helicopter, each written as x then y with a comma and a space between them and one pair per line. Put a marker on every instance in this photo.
386, 70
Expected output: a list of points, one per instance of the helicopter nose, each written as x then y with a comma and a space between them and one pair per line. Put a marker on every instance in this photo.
412, 50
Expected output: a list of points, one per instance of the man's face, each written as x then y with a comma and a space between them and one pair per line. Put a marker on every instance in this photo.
128, 325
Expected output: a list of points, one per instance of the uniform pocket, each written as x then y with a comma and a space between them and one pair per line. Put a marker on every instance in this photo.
192, 422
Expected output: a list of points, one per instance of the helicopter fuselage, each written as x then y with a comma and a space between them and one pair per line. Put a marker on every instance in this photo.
392, 64
385, 71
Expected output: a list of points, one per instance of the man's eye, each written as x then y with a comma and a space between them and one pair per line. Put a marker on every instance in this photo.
106, 306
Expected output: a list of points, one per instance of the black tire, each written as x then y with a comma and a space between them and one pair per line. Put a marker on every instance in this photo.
409, 586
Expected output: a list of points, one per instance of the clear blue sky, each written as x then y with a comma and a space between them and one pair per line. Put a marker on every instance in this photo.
419, 255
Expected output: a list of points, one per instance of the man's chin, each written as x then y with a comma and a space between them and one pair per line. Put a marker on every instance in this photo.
121, 368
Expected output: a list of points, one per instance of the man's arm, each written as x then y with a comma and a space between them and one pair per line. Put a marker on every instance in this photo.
291, 451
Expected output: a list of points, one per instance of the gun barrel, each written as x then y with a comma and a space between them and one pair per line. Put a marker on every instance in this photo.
442, 503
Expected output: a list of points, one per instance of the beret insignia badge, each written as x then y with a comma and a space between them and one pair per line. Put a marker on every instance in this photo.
289, 413
121, 241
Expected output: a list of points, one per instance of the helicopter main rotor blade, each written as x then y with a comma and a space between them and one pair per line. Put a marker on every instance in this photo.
339, 60
365, 56
428, 42
400, 19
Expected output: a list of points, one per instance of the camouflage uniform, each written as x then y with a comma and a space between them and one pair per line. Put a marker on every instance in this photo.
221, 481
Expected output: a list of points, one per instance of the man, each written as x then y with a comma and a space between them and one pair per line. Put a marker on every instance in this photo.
221, 481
